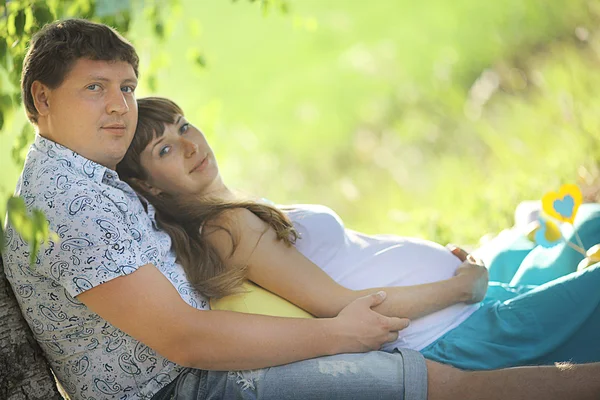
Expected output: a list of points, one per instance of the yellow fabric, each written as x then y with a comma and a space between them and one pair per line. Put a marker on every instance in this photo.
257, 300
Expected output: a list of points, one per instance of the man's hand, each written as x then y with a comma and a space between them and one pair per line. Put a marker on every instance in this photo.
363, 329
476, 278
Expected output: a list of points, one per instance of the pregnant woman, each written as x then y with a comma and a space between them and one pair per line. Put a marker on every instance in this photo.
223, 240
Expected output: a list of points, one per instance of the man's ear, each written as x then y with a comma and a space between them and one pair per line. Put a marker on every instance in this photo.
40, 93
146, 187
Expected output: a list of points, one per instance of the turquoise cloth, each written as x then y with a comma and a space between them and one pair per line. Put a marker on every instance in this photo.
511, 258
554, 322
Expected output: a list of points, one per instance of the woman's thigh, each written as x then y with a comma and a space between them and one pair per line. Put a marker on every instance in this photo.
529, 327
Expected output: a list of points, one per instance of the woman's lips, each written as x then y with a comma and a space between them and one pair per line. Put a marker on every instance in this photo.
200, 166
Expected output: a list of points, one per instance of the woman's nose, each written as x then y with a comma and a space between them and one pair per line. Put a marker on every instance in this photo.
190, 148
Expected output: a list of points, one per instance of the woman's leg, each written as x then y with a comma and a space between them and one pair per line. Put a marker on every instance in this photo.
543, 324
504, 254
544, 264
513, 259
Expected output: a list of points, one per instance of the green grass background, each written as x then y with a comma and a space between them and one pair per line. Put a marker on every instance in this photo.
430, 118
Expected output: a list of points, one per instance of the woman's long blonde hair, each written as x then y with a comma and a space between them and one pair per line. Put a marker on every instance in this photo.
183, 218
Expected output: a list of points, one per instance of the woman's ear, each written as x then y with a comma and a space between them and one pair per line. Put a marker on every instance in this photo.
40, 93
146, 187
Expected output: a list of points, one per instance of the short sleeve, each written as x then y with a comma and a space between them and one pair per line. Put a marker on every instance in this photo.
96, 240
415, 374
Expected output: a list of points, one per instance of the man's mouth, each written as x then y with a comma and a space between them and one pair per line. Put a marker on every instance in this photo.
117, 129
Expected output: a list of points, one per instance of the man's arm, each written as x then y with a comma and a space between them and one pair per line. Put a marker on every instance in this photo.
285, 271
145, 305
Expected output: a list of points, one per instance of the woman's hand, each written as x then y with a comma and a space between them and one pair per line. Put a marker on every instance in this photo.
474, 273
475, 277
362, 329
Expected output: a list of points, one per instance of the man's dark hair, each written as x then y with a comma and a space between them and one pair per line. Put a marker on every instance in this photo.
57, 46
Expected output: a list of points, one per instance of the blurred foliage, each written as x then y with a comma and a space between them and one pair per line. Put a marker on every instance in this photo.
429, 119
19, 20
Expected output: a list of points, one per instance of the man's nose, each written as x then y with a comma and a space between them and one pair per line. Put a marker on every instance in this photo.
117, 103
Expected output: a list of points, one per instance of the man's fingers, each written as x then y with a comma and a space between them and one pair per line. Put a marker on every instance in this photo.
397, 324
392, 336
375, 299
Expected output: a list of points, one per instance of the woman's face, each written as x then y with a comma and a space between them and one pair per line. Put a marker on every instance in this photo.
181, 161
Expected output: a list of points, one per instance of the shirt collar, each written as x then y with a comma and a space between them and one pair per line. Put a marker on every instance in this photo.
88, 169
74, 161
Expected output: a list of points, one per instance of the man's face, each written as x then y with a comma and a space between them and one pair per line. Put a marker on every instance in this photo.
94, 111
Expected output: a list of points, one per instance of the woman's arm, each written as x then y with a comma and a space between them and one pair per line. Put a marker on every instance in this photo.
285, 271
145, 305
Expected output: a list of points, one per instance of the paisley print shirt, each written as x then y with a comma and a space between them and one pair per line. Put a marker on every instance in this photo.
104, 232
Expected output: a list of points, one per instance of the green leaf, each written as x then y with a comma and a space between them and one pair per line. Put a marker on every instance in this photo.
21, 143
40, 225
265, 7
34, 228
152, 82
2, 239
16, 99
15, 73
159, 30
201, 61
195, 56
88, 9
18, 218
284, 7
124, 22
1, 119
40, 232
5, 101
3, 50
42, 14
20, 20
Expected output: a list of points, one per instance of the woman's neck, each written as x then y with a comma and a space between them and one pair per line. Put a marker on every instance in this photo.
222, 193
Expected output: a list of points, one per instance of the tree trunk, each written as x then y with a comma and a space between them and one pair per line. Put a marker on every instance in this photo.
24, 372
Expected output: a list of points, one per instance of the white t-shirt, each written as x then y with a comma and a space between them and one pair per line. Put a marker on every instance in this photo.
358, 261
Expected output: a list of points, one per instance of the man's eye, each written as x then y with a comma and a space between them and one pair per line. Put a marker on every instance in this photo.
94, 87
128, 89
184, 128
164, 151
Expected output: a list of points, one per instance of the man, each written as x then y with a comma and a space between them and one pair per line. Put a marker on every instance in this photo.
111, 307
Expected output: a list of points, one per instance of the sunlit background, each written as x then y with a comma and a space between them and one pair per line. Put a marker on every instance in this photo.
431, 118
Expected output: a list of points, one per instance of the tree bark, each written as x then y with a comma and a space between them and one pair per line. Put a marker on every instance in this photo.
24, 372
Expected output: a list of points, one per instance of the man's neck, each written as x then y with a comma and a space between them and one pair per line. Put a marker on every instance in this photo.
48, 136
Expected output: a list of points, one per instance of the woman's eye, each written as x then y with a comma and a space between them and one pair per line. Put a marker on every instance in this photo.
164, 151
184, 128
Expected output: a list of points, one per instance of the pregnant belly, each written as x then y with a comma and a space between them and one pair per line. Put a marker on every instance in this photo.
399, 261
391, 261
375, 261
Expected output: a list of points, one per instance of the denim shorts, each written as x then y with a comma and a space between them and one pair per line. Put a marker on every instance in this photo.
369, 376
